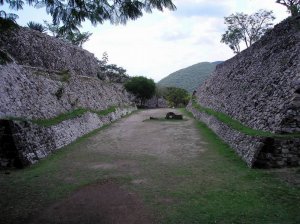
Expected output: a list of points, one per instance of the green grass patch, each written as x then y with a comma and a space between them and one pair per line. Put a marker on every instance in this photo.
236, 125
65, 116
72, 114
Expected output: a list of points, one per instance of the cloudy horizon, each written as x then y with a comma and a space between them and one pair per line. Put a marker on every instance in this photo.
163, 42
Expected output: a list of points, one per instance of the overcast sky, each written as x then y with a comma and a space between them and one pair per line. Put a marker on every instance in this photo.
162, 42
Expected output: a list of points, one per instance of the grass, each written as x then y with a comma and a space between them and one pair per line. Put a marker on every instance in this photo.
65, 75
236, 125
65, 116
213, 187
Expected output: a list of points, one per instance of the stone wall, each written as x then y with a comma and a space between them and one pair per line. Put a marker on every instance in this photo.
260, 152
33, 142
40, 94
29, 93
33, 48
44, 78
260, 87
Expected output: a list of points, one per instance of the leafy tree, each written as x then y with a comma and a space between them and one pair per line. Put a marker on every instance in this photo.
37, 26
77, 38
177, 97
74, 37
111, 72
6, 24
8, 16
246, 28
232, 39
142, 87
293, 6
72, 13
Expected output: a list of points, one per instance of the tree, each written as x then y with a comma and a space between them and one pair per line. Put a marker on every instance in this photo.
176, 97
74, 37
293, 6
71, 13
246, 28
77, 38
8, 16
142, 87
105, 58
233, 39
37, 26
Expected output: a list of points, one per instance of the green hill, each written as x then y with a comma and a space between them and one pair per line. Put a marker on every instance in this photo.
191, 77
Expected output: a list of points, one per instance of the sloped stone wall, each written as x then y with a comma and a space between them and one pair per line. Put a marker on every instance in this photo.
43, 77
29, 93
40, 94
260, 87
33, 48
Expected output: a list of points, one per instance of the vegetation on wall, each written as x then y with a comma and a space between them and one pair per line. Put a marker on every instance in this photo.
191, 77
74, 37
236, 125
246, 28
65, 116
6, 24
36, 26
112, 71
293, 6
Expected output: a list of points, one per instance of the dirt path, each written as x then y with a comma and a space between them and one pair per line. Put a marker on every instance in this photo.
123, 144
137, 135
142, 171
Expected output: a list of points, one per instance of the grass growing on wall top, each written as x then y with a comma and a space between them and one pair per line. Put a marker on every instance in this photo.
106, 111
236, 125
72, 114
65, 116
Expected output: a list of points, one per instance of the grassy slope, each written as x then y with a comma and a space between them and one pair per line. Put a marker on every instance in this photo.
191, 77
216, 187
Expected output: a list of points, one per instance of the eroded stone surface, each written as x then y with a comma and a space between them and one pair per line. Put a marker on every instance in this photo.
47, 77
260, 88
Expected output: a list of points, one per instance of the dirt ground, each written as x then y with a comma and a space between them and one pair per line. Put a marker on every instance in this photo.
99, 203
107, 202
